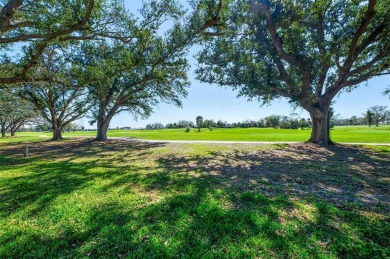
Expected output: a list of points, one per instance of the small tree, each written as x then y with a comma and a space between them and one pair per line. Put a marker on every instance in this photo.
272, 121
303, 123
379, 113
209, 124
184, 123
369, 117
221, 124
285, 123
353, 120
294, 123
154, 126
199, 122
14, 112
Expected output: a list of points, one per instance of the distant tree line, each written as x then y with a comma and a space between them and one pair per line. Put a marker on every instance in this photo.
180, 124
375, 115
272, 121
154, 126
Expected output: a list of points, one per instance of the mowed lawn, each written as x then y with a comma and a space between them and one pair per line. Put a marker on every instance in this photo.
80, 198
349, 134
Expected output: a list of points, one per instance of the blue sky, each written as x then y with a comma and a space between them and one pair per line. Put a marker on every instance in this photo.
213, 102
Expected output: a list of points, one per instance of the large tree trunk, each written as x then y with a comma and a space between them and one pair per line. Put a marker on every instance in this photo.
102, 128
103, 123
12, 133
320, 133
57, 132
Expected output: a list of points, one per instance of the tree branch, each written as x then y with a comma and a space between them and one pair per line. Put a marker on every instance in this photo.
7, 14
276, 40
321, 47
372, 62
42, 46
352, 54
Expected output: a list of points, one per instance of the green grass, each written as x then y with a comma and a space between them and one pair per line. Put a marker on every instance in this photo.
350, 134
78, 198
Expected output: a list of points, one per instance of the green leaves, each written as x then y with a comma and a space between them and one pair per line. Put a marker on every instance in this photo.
298, 49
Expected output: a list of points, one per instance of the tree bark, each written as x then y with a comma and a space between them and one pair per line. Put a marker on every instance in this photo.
103, 123
15, 127
320, 133
57, 133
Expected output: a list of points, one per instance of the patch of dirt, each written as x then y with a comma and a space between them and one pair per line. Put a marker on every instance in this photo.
345, 176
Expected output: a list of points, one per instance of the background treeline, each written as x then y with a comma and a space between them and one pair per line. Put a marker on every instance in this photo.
273, 121
375, 115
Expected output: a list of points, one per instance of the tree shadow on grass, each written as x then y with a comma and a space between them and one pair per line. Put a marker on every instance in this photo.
275, 202
341, 175
54, 170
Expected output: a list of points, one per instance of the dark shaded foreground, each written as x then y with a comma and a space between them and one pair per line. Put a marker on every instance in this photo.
136, 199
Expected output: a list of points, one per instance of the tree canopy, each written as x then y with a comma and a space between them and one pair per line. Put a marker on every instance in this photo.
150, 67
29, 28
379, 113
62, 51
14, 112
307, 51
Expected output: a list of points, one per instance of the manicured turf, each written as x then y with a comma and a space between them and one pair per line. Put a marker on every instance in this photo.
349, 134
78, 198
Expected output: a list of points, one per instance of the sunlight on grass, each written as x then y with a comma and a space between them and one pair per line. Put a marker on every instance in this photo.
353, 134
121, 199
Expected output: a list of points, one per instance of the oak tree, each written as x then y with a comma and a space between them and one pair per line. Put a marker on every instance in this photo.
379, 113
60, 100
29, 28
199, 122
306, 51
14, 112
135, 75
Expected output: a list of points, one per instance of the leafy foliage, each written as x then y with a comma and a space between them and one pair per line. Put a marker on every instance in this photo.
199, 122
29, 28
59, 102
306, 51
379, 113
149, 68
14, 112
154, 126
